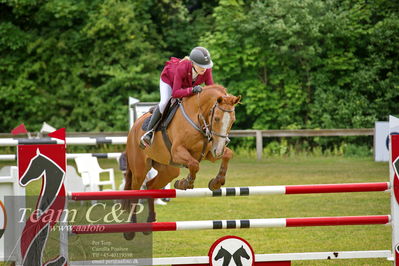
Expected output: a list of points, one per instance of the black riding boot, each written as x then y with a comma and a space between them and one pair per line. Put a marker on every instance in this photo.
147, 138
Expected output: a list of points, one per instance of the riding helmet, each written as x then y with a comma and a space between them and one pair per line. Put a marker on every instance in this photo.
201, 57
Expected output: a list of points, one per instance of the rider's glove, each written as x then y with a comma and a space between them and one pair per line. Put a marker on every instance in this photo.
196, 89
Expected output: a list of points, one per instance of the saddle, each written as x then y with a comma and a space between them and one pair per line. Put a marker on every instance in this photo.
166, 118
170, 110
164, 122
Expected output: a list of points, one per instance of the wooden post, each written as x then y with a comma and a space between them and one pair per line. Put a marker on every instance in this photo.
259, 144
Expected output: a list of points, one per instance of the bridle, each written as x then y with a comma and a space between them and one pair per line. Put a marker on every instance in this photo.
206, 128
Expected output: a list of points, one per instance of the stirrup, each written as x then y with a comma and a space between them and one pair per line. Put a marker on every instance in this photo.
146, 140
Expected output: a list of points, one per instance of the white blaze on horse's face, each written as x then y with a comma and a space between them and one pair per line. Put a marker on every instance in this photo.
223, 117
218, 142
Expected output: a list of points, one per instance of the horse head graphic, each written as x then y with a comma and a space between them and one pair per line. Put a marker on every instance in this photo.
240, 253
36, 231
237, 255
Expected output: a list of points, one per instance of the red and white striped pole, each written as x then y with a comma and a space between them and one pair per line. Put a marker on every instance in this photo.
230, 224
233, 191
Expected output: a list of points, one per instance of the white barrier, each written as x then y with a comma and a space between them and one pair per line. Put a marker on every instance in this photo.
9, 188
69, 141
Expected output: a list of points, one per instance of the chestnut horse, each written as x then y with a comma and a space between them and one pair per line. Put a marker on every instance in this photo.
199, 130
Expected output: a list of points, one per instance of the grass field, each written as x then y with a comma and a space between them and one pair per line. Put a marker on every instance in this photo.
279, 171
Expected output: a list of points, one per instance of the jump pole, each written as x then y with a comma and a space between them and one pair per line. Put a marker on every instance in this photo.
230, 224
233, 191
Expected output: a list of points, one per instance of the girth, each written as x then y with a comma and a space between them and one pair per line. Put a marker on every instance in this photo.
166, 138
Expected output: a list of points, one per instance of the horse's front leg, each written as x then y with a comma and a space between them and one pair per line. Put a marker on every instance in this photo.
182, 156
220, 179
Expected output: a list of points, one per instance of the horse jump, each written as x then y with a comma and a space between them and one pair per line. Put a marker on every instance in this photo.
296, 222
282, 222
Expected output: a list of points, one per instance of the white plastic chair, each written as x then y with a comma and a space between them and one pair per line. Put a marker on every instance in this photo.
90, 171
73, 182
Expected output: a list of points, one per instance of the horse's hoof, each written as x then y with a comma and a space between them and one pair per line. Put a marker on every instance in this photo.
177, 185
129, 235
146, 233
212, 186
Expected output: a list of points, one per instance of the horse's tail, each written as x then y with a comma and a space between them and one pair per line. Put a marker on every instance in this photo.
128, 176
126, 203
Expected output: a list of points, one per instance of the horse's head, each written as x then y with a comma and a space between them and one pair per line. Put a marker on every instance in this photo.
222, 117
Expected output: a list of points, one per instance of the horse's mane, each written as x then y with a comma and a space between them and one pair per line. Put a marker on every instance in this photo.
217, 87
210, 91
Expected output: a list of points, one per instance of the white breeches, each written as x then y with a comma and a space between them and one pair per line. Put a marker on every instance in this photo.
166, 93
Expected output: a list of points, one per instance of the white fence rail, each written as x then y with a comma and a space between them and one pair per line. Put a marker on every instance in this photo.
94, 138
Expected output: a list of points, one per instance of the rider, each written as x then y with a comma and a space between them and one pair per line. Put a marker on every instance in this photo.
180, 78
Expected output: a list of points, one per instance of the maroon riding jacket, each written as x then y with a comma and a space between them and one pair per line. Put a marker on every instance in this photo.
178, 74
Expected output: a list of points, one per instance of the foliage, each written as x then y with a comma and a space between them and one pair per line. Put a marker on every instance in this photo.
74, 63
308, 64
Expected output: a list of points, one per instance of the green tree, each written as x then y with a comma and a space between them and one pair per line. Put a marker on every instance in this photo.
307, 64
264, 54
74, 63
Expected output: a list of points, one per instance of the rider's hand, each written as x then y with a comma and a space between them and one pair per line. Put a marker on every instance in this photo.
196, 89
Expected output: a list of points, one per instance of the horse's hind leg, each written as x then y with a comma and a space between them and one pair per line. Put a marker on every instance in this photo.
126, 203
219, 180
165, 175
135, 175
133, 207
130, 204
